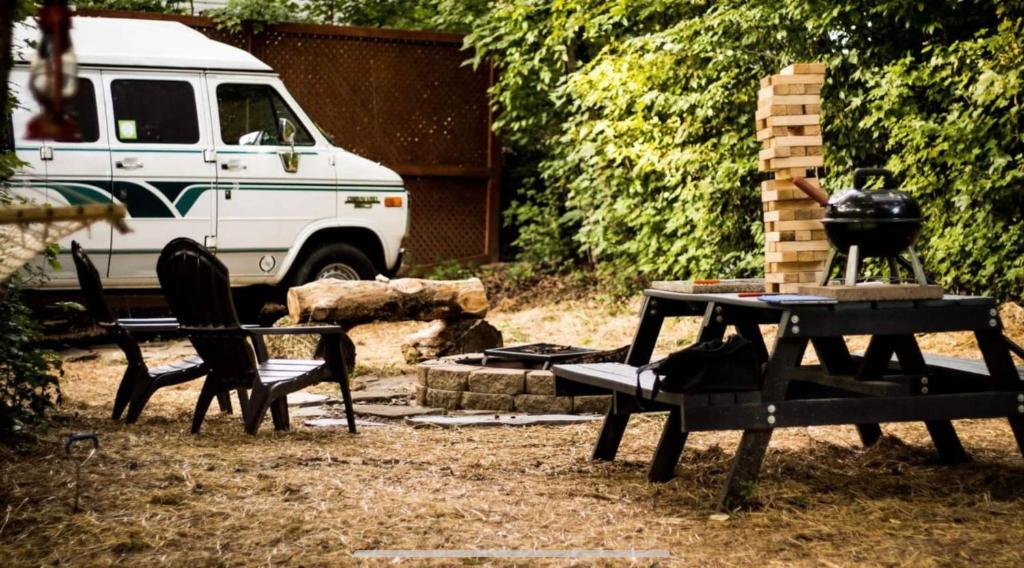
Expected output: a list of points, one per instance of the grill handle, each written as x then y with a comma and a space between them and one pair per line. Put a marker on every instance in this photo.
862, 175
815, 193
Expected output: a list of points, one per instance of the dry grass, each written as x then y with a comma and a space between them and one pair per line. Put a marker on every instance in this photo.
158, 495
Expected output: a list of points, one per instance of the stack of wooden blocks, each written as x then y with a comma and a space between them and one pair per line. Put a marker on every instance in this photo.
789, 129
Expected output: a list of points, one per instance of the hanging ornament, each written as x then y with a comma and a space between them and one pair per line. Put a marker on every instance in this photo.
54, 75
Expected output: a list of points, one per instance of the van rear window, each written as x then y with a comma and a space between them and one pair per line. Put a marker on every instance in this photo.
249, 116
154, 112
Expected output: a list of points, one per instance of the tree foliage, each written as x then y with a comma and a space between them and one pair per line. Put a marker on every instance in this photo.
639, 118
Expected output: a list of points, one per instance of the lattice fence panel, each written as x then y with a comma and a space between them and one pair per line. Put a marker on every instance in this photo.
448, 219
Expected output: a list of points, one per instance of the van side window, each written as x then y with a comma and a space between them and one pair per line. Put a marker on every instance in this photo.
154, 112
82, 109
249, 116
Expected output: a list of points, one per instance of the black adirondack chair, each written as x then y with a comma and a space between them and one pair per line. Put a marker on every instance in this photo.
198, 290
139, 381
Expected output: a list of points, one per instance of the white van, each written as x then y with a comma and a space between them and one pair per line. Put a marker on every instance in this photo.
191, 135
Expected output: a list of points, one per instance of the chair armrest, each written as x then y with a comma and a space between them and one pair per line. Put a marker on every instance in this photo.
312, 330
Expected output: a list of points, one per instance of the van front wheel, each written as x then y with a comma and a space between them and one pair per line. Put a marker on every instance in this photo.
338, 261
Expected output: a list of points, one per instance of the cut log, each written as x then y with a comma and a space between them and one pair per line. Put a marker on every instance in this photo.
442, 338
352, 302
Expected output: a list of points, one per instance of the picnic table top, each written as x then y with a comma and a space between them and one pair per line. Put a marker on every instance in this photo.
756, 301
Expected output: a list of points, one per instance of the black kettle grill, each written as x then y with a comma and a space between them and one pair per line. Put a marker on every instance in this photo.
861, 223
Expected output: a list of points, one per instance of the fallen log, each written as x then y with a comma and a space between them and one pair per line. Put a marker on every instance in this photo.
352, 302
442, 338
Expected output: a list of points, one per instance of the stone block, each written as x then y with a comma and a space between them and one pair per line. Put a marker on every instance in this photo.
487, 401
543, 404
437, 398
421, 395
540, 382
421, 374
597, 404
449, 377
497, 381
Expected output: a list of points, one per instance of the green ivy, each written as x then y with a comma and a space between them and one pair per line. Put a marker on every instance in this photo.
639, 118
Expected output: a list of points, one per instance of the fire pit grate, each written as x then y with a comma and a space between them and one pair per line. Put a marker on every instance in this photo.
546, 353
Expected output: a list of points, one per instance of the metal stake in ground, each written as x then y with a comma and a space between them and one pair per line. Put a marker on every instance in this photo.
71, 441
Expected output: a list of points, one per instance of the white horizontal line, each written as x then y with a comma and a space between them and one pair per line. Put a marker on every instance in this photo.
497, 553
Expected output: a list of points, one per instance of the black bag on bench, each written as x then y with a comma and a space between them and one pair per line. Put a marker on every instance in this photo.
705, 367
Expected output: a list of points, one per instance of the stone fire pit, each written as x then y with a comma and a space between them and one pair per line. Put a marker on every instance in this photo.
463, 382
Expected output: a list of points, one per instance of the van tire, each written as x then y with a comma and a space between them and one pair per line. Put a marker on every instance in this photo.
345, 261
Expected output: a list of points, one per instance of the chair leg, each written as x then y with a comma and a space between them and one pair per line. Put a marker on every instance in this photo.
243, 402
259, 401
124, 391
139, 400
224, 402
279, 412
206, 396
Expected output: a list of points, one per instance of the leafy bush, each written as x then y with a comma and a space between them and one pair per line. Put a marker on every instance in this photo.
29, 375
641, 117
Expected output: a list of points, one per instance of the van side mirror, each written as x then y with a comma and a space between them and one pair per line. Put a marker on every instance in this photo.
287, 131
289, 158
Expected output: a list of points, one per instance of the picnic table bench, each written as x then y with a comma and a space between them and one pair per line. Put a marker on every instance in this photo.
892, 381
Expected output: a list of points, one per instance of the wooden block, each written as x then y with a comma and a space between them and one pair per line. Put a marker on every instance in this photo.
790, 173
797, 79
787, 183
772, 131
804, 68
810, 130
769, 90
779, 237
812, 108
781, 256
811, 89
794, 151
771, 287
796, 204
782, 277
797, 162
780, 152
793, 266
813, 150
798, 246
812, 255
803, 236
789, 100
805, 141
783, 195
817, 212
875, 292
793, 288
811, 225
811, 276
793, 120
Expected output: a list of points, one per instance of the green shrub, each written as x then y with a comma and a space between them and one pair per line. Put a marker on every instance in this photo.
641, 114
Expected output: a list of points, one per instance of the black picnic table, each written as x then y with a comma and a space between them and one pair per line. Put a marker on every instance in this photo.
893, 381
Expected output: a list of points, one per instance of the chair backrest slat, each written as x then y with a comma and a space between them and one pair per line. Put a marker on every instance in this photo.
92, 288
198, 290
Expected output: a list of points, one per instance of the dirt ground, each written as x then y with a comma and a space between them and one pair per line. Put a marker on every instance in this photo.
157, 495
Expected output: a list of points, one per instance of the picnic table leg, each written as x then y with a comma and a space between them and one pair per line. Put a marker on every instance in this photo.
673, 438
996, 353
746, 466
943, 434
836, 359
670, 447
611, 435
640, 351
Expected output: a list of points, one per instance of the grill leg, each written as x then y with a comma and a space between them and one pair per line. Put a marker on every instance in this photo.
852, 265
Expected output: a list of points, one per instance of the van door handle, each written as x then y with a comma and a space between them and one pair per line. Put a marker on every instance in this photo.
128, 164
233, 165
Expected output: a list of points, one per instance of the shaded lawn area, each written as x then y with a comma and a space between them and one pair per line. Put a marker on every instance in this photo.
158, 495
